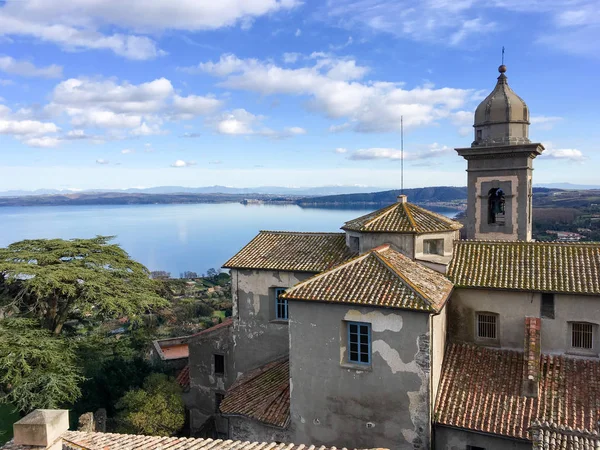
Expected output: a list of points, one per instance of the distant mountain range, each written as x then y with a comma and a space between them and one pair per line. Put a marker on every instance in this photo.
273, 190
569, 186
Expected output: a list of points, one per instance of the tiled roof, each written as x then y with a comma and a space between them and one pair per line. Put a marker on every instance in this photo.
548, 436
183, 377
111, 441
226, 323
262, 394
380, 277
481, 390
298, 252
529, 266
402, 218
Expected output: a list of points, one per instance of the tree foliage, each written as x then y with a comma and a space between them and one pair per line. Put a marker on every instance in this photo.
156, 409
37, 368
53, 279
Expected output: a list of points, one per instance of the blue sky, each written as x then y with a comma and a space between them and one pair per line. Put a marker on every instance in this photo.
138, 93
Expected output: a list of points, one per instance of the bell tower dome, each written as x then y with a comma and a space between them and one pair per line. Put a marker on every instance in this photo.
500, 167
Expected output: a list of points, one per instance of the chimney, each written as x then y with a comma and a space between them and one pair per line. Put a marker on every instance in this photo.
402, 198
42, 429
533, 353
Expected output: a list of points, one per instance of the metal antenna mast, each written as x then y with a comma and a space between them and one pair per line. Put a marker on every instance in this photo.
503, 55
402, 155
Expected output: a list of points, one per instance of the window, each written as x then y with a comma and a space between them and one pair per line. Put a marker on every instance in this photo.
547, 311
433, 247
487, 326
218, 399
479, 135
359, 342
354, 244
219, 364
582, 335
496, 202
281, 305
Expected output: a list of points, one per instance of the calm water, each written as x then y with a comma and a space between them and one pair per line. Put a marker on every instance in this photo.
174, 238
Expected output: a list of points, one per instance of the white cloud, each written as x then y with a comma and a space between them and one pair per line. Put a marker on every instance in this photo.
42, 142
298, 32
27, 127
102, 161
237, 122
290, 58
127, 151
4, 82
332, 85
432, 151
28, 69
570, 154
181, 163
195, 105
341, 150
76, 24
544, 122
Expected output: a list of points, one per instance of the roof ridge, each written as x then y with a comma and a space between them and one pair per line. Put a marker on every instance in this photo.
506, 241
410, 217
301, 232
443, 218
377, 217
252, 374
405, 280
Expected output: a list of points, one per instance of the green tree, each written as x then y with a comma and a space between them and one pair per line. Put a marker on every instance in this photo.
37, 368
53, 279
156, 409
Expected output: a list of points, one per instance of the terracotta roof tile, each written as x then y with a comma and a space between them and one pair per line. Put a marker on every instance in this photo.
481, 390
380, 277
529, 266
298, 252
402, 218
549, 436
262, 394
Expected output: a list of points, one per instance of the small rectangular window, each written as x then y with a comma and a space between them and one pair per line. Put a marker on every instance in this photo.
359, 342
219, 364
582, 335
474, 447
281, 305
478, 135
486, 326
433, 247
218, 399
547, 306
354, 244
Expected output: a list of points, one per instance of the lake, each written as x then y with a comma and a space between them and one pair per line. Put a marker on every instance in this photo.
174, 238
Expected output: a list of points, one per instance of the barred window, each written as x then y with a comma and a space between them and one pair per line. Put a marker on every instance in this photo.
582, 335
487, 324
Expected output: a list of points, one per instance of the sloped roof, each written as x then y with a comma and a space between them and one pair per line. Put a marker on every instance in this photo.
530, 266
111, 441
380, 277
291, 251
262, 394
549, 436
481, 390
402, 217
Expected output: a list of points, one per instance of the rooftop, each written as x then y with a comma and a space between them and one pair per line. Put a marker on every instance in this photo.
481, 390
402, 217
380, 277
262, 394
527, 266
290, 251
548, 436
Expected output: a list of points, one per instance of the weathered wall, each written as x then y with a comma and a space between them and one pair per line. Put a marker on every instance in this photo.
243, 429
258, 337
336, 403
438, 345
204, 384
447, 438
513, 307
448, 237
404, 243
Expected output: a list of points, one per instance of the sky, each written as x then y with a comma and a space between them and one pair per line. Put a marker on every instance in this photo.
140, 93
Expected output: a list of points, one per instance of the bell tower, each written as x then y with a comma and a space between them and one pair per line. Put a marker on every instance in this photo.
500, 167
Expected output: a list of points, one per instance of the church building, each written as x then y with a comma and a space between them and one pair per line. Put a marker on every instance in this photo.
395, 333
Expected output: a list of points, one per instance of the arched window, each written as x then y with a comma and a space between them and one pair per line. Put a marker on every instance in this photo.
496, 202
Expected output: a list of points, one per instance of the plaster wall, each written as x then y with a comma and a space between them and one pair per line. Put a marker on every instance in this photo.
448, 237
512, 308
404, 243
258, 337
204, 383
244, 429
438, 345
333, 402
447, 438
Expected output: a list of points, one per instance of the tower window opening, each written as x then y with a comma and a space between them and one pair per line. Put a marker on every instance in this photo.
496, 203
479, 135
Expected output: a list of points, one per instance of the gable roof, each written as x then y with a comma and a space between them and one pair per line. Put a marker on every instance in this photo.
262, 394
81, 440
549, 436
402, 217
481, 390
529, 266
291, 251
380, 277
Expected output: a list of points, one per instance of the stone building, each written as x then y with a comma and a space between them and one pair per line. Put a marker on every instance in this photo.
398, 334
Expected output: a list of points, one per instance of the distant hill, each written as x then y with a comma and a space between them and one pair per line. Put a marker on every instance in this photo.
569, 186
